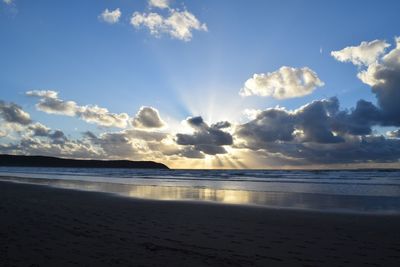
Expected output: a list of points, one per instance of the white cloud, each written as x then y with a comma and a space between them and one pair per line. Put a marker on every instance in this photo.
101, 116
364, 54
110, 16
388, 63
181, 24
287, 82
251, 113
159, 3
50, 103
8, 2
152, 21
178, 24
43, 93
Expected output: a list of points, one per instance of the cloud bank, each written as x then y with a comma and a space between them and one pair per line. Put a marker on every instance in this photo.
319, 132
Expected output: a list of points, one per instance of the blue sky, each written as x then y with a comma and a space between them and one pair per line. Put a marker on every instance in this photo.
66, 47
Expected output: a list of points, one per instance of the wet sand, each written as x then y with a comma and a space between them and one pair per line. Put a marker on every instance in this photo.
43, 226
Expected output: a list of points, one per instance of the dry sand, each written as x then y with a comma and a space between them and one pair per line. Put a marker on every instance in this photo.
42, 226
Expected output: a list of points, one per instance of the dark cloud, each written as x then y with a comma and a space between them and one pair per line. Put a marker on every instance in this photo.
189, 152
358, 121
269, 126
207, 139
39, 130
314, 120
320, 132
147, 117
221, 125
89, 135
365, 149
383, 75
388, 93
58, 136
13, 113
310, 123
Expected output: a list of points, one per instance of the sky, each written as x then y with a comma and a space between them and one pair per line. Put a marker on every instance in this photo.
202, 84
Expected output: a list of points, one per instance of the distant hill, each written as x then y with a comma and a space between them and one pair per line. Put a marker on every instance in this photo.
42, 161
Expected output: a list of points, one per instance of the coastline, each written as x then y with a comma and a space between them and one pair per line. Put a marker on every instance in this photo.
49, 226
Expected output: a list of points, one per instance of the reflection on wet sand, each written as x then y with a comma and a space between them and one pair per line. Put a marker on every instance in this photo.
193, 193
325, 202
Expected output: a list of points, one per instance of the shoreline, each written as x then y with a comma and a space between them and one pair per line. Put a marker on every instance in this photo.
277, 200
50, 226
211, 203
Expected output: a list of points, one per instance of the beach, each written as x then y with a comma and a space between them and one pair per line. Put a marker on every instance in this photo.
45, 226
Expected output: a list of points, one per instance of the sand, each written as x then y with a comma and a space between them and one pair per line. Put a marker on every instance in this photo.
43, 226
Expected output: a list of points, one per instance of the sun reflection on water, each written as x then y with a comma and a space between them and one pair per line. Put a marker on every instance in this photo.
312, 201
188, 193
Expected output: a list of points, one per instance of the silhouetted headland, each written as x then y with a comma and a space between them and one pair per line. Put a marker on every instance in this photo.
42, 161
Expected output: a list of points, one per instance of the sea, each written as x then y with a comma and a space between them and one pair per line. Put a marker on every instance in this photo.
373, 191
